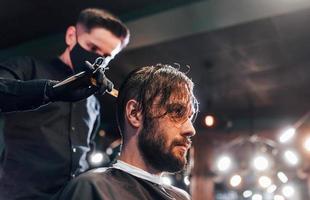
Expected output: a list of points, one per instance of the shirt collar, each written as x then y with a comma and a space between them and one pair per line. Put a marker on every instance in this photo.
135, 171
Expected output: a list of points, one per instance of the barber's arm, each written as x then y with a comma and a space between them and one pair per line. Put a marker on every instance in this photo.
19, 91
17, 95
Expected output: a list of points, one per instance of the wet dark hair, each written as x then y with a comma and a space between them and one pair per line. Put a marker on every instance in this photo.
93, 17
159, 83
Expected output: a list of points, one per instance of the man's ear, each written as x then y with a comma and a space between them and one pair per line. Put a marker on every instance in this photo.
71, 36
133, 114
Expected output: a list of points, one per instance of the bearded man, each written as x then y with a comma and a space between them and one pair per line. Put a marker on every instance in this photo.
155, 110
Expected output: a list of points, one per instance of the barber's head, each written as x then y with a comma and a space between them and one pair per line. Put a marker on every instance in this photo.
156, 106
96, 33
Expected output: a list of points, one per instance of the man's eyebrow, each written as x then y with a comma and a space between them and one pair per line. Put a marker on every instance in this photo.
177, 104
91, 44
189, 107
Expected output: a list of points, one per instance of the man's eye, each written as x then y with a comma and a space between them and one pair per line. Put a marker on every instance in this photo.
177, 111
93, 49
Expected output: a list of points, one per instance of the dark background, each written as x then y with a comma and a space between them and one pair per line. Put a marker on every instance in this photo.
249, 60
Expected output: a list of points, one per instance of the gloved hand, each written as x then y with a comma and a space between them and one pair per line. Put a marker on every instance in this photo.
77, 87
102, 82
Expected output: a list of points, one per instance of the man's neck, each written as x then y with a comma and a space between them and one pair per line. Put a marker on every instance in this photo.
137, 172
65, 58
133, 157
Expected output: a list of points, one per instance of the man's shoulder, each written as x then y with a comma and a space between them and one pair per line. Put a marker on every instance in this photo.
85, 186
23, 64
93, 174
111, 177
179, 191
100, 174
107, 179
105, 176
15, 60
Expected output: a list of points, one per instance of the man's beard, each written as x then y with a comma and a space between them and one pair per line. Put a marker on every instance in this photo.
152, 145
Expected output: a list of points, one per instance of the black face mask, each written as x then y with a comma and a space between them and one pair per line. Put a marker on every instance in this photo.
78, 57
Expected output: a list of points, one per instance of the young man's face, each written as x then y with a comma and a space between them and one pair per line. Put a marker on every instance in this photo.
165, 141
100, 41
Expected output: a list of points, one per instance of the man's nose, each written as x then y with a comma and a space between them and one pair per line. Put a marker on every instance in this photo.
188, 129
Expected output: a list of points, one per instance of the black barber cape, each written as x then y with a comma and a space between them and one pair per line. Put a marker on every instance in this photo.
117, 184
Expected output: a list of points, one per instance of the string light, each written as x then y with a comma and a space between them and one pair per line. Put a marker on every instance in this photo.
291, 157
287, 135
264, 181
288, 191
247, 193
96, 158
224, 163
235, 180
209, 121
260, 163
283, 178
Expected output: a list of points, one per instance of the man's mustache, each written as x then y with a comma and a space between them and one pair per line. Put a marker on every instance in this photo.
182, 142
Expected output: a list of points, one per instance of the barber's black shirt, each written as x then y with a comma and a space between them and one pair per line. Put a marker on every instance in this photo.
44, 148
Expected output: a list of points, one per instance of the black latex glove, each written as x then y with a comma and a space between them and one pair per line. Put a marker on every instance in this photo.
102, 82
80, 86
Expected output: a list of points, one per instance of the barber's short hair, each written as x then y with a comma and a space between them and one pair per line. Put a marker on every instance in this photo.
148, 83
93, 18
